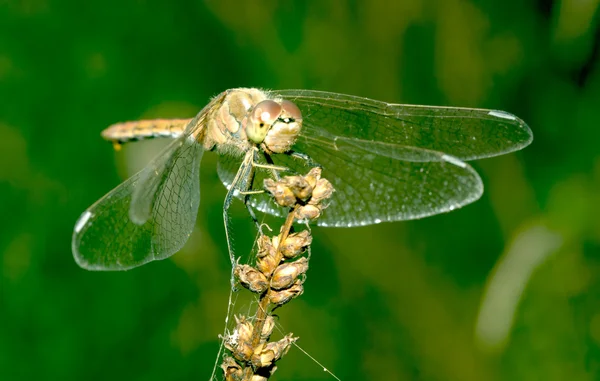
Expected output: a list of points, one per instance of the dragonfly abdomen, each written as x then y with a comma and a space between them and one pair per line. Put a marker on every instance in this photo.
145, 129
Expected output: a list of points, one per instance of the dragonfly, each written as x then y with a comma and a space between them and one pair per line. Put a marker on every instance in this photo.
387, 162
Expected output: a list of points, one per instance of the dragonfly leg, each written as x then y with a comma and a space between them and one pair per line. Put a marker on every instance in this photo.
241, 180
270, 166
274, 169
251, 192
251, 211
302, 156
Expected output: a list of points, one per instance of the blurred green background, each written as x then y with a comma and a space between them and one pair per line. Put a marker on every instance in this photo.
505, 289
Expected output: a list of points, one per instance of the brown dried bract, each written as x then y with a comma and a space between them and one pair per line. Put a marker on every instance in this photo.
240, 341
282, 194
251, 278
286, 274
308, 212
322, 191
267, 328
283, 296
231, 369
309, 189
267, 354
299, 187
267, 256
295, 244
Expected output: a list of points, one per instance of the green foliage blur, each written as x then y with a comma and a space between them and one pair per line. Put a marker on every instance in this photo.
505, 289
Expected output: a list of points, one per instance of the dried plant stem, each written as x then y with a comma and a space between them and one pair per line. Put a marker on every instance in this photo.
265, 300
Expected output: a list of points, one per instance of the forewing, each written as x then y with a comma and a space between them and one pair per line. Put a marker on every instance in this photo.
464, 133
148, 217
390, 162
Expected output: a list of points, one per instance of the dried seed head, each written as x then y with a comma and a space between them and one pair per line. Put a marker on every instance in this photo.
267, 354
286, 274
231, 369
308, 212
295, 244
283, 296
251, 278
283, 195
323, 190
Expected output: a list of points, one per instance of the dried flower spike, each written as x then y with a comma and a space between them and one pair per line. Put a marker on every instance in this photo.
277, 280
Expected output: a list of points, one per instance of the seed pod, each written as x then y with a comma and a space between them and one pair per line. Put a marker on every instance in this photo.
299, 186
323, 190
283, 195
283, 296
239, 342
265, 246
266, 355
243, 328
308, 212
313, 176
286, 274
266, 265
231, 369
268, 328
266, 261
251, 278
295, 244
241, 350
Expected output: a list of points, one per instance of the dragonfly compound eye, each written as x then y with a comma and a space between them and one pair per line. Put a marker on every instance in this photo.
282, 135
262, 118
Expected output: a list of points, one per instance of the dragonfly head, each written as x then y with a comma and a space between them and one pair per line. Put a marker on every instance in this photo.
275, 124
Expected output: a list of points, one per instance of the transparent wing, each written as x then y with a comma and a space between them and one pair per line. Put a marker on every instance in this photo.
392, 162
376, 184
464, 133
151, 215
148, 217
